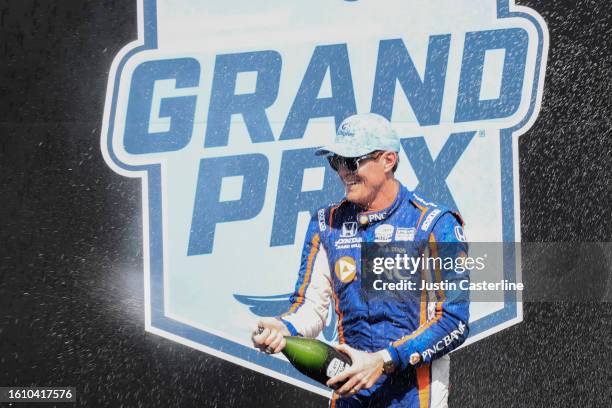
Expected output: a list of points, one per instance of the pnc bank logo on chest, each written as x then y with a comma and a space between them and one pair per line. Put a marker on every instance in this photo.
365, 219
218, 107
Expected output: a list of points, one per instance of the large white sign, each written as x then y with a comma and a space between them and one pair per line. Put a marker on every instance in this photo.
219, 105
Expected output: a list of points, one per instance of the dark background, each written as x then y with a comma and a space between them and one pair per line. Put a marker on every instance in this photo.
71, 281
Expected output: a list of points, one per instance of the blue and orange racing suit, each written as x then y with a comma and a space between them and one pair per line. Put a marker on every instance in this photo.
433, 326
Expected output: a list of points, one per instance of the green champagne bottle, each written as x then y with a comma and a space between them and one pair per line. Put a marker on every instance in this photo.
315, 359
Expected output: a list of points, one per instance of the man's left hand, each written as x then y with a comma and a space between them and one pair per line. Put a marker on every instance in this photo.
362, 374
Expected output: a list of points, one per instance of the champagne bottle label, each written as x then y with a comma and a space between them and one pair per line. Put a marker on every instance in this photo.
335, 367
314, 358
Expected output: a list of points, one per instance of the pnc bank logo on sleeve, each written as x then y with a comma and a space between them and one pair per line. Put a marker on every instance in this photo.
445, 342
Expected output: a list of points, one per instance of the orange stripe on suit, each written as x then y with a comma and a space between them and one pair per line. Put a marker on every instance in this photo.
311, 256
423, 323
423, 211
423, 374
340, 316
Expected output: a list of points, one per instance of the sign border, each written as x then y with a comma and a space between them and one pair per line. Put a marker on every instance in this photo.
155, 320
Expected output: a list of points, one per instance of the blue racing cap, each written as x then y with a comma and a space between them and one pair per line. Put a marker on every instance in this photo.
361, 134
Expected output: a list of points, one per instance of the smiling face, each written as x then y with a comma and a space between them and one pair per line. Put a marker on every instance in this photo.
363, 186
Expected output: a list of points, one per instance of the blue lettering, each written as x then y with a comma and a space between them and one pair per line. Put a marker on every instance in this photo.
395, 65
306, 104
469, 106
432, 174
209, 210
180, 109
252, 106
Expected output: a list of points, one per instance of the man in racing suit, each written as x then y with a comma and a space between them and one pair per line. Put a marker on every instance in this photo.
397, 346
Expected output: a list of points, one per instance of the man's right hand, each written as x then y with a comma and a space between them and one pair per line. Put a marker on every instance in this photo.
272, 339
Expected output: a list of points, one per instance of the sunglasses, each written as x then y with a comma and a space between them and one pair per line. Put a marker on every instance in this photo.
350, 163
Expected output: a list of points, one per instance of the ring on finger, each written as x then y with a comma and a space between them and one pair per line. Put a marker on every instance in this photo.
269, 350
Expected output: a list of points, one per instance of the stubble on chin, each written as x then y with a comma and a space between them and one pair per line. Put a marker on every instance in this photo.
358, 198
